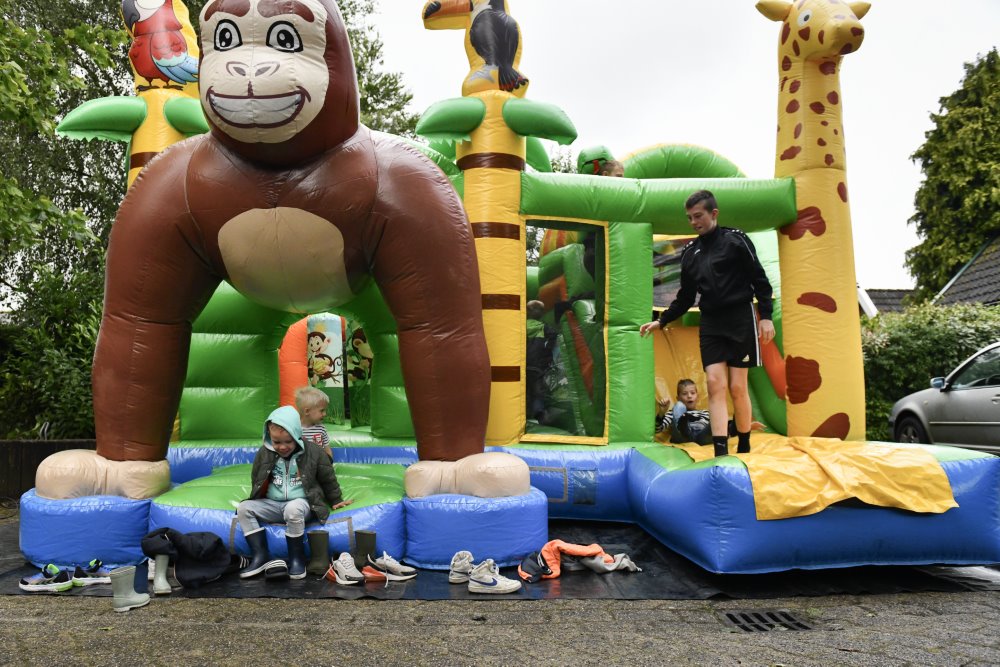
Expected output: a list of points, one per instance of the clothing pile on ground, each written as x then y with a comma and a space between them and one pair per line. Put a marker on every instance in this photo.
556, 556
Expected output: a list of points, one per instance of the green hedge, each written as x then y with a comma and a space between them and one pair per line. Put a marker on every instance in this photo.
903, 351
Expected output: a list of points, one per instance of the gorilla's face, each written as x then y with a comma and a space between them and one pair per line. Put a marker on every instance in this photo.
264, 73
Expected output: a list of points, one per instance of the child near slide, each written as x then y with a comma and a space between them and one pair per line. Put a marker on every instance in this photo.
684, 423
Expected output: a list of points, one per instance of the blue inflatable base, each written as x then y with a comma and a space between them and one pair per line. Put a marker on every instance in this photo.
504, 529
704, 512
73, 532
708, 515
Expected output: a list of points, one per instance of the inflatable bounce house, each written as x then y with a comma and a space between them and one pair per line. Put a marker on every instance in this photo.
260, 212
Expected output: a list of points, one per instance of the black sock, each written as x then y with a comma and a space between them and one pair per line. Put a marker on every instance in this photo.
743, 443
721, 443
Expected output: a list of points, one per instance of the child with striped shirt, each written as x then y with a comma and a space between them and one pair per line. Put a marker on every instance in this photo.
312, 404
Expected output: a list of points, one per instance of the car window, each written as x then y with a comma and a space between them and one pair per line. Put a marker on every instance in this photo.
983, 371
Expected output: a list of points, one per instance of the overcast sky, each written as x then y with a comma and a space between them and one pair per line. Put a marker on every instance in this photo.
635, 73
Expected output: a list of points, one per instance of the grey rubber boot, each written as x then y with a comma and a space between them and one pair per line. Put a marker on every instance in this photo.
160, 584
123, 589
319, 552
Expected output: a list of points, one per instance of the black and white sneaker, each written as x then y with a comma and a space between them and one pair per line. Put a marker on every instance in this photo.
93, 573
49, 580
392, 568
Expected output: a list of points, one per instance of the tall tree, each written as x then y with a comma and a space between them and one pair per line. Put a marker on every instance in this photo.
56, 206
958, 203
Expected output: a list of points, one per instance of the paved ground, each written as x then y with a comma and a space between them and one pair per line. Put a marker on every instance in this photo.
905, 629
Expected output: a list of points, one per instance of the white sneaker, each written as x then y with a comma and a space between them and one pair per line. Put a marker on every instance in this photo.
392, 568
344, 571
485, 578
461, 567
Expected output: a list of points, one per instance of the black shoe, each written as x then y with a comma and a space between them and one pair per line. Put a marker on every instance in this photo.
260, 557
296, 556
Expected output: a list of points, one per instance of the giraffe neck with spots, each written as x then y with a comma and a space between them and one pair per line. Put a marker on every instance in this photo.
810, 119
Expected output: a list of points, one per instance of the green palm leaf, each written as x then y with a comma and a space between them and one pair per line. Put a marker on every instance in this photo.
452, 120
185, 115
111, 118
538, 119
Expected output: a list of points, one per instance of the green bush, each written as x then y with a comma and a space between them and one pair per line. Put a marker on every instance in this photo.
903, 351
45, 359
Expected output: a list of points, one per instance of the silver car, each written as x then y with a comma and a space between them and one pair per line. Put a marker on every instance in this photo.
961, 409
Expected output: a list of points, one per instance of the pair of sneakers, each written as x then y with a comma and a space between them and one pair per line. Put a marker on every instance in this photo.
384, 568
483, 577
52, 579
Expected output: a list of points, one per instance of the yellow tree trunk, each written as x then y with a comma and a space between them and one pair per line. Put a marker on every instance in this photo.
492, 162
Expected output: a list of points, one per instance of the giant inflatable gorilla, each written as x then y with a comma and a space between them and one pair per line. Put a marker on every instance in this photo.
296, 204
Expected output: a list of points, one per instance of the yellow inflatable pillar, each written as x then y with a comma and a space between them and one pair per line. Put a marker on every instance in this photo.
492, 161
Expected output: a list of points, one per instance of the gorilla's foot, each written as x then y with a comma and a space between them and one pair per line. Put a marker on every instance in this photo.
81, 472
487, 475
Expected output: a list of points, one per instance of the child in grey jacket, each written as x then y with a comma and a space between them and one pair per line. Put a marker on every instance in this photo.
292, 481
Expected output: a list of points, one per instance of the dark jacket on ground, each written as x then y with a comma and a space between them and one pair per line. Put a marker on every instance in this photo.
198, 558
722, 267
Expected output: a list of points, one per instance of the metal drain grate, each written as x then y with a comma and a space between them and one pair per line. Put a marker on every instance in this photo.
764, 620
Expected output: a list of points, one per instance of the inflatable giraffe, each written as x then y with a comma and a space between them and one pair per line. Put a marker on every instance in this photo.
822, 334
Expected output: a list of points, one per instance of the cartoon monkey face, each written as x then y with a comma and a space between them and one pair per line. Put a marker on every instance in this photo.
264, 75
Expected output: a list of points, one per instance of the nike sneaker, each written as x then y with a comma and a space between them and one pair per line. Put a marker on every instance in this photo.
486, 578
461, 567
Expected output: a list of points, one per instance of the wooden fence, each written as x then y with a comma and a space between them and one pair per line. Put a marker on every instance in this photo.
20, 458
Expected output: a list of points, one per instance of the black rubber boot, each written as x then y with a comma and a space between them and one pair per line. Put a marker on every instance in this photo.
743, 444
721, 445
364, 546
319, 552
260, 557
296, 556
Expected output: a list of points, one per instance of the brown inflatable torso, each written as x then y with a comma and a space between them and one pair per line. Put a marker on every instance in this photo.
288, 238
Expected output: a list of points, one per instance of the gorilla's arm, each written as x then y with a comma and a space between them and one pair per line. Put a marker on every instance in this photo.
157, 282
424, 261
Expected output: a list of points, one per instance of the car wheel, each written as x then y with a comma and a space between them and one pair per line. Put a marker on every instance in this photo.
909, 429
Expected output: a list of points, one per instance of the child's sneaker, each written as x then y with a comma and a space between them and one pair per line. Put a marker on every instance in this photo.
344, 572
50, 579
93, 573
392, 568
461, 567
485, 578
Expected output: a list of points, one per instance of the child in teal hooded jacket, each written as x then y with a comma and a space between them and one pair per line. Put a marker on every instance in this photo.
291, 481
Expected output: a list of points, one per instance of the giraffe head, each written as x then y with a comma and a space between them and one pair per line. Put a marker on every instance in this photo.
816, 29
